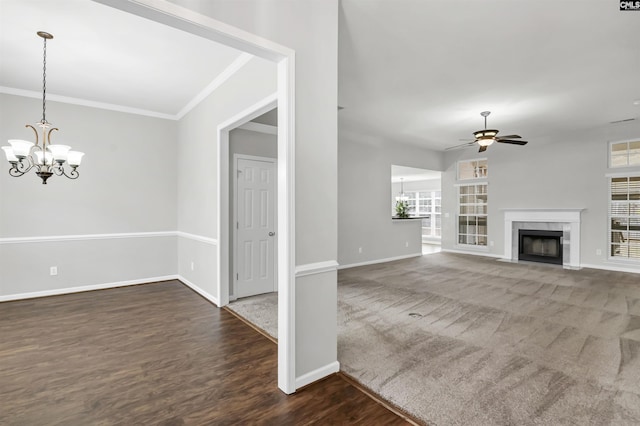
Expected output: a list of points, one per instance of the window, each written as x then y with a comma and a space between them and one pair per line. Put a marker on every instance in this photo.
624, 154
426, 203
430, 205
472, 214
472, 169
624, 218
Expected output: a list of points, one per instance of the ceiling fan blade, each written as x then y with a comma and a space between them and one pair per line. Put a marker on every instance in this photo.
511, 142
464, 145
482, 149
509, 137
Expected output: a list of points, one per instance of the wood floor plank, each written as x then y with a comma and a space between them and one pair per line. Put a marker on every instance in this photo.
154, 354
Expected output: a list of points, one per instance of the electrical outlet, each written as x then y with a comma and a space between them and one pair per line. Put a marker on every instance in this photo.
360, 250
193, 265
406, 243
598, 252
491, 243
53, 270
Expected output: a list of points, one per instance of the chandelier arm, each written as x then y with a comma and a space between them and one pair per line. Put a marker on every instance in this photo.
15, 172
73, 174
34, 131
20, 167
48, 138
57, 170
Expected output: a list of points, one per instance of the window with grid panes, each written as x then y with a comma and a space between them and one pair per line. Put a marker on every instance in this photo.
430, 205
624, 218
472, 214
472, 169
624, 154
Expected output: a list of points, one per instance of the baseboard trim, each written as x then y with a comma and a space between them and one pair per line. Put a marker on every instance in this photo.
316, 268
474, 253
609, 267
373, 262
198, 290
69, 290
317, 374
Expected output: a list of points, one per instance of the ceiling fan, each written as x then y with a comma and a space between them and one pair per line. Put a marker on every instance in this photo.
486, 137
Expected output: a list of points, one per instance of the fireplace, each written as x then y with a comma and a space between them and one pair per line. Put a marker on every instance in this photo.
565, 220
540, 246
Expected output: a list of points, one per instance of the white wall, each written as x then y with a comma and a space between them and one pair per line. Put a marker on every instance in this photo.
310, 28
198, 170
116, 193
365, 196
568, 172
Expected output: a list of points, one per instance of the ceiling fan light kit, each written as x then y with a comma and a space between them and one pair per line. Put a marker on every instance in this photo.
486, 137
47, 159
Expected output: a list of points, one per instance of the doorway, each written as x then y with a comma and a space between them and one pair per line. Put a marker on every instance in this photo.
254, 242
284, 58
420, 191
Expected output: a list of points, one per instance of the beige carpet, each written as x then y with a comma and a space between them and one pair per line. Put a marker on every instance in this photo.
490, 343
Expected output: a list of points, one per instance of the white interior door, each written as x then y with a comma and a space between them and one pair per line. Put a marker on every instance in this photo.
255, 257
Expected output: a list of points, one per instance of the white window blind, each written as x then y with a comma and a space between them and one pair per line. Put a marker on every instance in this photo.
624, 218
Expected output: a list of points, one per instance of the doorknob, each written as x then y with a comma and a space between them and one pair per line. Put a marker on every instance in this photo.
271, 234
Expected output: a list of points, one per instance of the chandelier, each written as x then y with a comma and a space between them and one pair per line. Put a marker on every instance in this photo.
48, 159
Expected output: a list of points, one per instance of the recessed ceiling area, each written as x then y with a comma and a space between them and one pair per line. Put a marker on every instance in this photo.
103, 55
421, 73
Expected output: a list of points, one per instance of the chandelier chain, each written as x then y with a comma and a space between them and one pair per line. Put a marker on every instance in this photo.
44, 82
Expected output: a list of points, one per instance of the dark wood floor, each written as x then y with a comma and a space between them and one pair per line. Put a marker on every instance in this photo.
155, 354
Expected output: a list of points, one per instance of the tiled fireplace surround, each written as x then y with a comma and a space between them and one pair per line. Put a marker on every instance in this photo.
565, 220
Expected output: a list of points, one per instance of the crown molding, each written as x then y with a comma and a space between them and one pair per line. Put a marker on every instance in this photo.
238, 63
85, 102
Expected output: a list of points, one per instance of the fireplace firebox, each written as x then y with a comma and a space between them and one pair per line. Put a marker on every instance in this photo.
540, 246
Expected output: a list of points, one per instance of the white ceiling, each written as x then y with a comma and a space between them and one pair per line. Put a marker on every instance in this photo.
104, 55
414, 71
412, 174
421, 72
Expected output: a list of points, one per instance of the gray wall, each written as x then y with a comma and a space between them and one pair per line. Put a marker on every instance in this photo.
198, 171
364, 199
116, 193
250, 143
310, 28
567, 172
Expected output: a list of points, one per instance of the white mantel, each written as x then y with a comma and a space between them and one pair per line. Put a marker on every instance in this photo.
567, 219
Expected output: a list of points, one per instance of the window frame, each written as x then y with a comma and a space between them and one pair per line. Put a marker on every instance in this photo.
476, 246
474, 179
610, 154
610, 217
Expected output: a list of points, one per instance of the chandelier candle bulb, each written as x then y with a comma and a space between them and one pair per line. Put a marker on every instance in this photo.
24, 155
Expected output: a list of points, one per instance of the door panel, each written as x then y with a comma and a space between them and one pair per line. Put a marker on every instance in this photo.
255, 232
